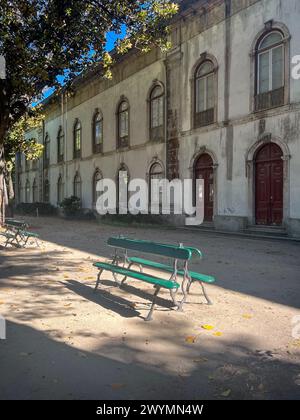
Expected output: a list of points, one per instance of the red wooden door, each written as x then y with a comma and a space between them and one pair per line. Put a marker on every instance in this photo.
269, 185
204, 170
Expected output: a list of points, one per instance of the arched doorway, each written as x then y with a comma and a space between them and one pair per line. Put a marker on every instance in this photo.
204, 170
269, 185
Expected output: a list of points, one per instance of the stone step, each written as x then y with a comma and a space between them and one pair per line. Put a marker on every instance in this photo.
267, 231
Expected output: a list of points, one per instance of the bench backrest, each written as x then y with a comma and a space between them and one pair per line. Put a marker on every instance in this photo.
16, 224
196, 253
171, 251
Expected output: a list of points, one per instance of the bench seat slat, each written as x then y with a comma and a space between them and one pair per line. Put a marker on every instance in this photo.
7, 235
167, 284
152, 264
29, 234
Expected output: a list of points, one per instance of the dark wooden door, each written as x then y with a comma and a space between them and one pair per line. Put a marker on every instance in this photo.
204, 170
269, 185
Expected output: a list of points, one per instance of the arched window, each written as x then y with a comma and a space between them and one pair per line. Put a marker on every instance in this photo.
270, 71
123, 124
60, 145
77, 139
60, 190
156, 172
98, 133
34, 191
204, 94
77, 186
46, 191
96, 178
47, 151
27, 191
157, 113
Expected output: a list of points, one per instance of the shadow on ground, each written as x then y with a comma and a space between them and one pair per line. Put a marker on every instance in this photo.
266, 269
34, 366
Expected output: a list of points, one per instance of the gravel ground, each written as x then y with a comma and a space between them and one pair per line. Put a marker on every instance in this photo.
65, 342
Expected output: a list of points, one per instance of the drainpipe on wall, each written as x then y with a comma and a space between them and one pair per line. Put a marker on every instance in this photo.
65, 97
42, 165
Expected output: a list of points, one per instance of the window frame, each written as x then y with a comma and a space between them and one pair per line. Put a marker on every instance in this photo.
97, 148
123, 142
60, 184
270, 49
151, 175
208, 116
157, 133
77, 153
94, 185
77, 176
278, 97
60, 143
122, 168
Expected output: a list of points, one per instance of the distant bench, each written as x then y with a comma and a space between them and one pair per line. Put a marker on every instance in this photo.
178, 254
16, 233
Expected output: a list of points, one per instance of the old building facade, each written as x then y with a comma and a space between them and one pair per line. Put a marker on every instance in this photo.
222, 105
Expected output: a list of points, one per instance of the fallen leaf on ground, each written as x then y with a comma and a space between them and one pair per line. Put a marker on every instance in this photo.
295, 343
200, 360
218, 334
247, 316
208, 327
191, 339
90, 278
66, 277
226, 393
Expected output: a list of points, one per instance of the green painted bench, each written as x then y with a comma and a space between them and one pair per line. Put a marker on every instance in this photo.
26, 236
194, 277
173, 252
10, 238
141, 263
17, 233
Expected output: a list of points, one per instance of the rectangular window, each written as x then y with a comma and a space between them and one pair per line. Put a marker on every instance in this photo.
200, 94
264, 72
157, 112
98, 133
210, 92
277, 68
78, 141
271, 70
124, 124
